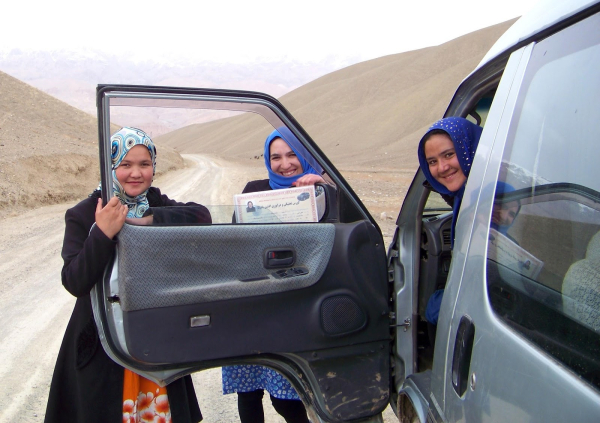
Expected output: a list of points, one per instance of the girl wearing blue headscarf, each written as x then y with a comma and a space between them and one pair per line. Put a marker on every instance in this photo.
446, 153
288, 165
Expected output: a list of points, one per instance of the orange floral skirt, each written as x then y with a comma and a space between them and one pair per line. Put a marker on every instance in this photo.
144, 400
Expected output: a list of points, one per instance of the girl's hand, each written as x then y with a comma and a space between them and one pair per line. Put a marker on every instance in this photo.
110, 218
307, 180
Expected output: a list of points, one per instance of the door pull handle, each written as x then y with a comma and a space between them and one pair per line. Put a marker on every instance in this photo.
461, 360
275, 258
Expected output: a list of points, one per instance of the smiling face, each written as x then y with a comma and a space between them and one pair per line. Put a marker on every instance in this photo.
135, 171
443, 163
283, 159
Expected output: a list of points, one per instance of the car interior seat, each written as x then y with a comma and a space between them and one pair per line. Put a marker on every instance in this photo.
581, 287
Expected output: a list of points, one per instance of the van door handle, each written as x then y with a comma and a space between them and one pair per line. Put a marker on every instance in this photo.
463, 348
279, 257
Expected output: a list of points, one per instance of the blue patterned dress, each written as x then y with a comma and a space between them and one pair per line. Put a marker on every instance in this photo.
248, 377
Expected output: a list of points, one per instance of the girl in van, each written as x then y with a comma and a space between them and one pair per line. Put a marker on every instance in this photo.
446, 153
87, 386
287, 168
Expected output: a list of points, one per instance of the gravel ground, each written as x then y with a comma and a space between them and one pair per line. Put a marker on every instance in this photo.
36, 308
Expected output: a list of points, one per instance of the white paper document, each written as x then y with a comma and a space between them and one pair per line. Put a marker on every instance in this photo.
505, 251
281, 205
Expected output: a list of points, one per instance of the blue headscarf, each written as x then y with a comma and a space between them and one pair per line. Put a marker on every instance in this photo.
121, 142
309, 164
465, 137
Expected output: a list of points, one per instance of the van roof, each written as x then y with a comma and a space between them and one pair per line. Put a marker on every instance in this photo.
542, 15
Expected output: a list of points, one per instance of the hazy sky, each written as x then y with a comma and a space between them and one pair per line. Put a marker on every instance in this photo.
247, 31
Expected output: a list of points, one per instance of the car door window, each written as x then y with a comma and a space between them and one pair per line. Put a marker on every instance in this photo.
225, 140
543, 268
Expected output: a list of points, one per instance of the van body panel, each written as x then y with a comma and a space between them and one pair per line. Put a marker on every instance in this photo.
449, 316
509, 377
540, 17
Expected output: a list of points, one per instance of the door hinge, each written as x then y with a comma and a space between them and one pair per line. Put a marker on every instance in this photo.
405, 324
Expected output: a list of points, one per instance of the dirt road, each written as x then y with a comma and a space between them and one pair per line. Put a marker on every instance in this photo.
35, 308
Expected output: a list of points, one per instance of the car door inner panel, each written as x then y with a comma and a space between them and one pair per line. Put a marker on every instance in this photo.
174, 266
170, 275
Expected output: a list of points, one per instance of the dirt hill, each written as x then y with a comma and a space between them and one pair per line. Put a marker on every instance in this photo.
367, 115
48, 149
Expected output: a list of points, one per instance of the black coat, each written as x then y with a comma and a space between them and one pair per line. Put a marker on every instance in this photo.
87, 386
256, 186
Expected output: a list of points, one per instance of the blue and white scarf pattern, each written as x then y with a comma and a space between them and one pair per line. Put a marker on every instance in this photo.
121, 142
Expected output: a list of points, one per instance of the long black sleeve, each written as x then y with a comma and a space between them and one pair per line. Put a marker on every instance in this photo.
167, 211
85, 253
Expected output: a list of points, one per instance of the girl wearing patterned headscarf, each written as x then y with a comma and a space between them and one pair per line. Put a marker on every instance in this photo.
122, 143
446, 153
288, 164
87, 386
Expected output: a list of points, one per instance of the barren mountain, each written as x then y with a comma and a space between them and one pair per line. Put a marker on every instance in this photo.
366, 116
60, 73
48, 149
369, 115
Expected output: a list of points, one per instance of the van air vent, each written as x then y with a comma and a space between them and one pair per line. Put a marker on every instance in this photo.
446, 236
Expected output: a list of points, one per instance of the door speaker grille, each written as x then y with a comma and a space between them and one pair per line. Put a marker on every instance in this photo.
341, 314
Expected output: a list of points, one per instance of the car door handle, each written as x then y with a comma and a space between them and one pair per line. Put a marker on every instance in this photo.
461, 360
275, 258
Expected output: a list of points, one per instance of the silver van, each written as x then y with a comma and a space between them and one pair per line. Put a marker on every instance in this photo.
518, 336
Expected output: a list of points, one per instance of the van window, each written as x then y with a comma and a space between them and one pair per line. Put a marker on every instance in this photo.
543, 262
435, 205
478, 115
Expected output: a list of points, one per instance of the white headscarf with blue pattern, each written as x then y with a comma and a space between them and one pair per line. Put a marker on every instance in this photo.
121, 142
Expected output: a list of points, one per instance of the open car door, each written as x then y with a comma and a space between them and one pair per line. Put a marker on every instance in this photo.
309, 299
